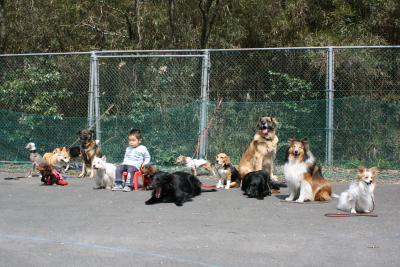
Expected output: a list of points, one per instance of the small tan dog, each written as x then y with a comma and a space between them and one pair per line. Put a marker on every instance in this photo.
57, 160
73, 153
226, 172
261, 153
148, 172
194, 164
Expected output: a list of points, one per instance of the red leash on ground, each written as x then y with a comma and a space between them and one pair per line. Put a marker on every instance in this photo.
353, 214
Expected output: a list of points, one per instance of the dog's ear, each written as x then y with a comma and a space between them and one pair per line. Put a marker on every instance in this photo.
78, 132
227, 160
374, 171
361, 169
305, 143
91, 131
292, 139
104, 158
258, 122
274, 122
169, 177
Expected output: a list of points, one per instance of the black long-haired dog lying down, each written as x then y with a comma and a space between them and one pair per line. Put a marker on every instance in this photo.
258, 184
177, 187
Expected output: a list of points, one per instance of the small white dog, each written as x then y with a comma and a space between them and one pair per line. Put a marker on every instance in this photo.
359, 198
104, 173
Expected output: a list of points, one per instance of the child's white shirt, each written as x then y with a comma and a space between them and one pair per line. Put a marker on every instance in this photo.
136, 156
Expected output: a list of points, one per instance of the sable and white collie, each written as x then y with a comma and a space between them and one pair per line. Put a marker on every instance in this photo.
303, 176
360, 195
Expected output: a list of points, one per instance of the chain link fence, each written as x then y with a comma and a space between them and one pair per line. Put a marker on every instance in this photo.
344, 100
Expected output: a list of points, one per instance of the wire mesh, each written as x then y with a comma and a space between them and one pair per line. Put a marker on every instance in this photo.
44, 99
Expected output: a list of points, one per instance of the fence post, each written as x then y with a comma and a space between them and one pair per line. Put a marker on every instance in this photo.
204, 102
329, 104
94, 103
93, 59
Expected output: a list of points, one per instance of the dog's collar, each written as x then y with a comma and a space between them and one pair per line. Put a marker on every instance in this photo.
32, 151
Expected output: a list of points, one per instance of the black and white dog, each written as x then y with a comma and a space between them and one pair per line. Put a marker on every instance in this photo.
177, 187
258, 184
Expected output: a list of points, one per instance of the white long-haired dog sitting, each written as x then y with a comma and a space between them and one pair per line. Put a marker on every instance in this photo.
359, 198
104, 173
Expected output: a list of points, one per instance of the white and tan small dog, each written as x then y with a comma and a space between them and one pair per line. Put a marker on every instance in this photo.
104, 173
226, 172
194, 164
57, 160
359, 198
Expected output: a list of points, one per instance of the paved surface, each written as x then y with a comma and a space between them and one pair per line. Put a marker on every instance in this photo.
75, 225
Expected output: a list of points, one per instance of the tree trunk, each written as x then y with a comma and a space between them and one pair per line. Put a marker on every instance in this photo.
3, 28
208, 19
172, 22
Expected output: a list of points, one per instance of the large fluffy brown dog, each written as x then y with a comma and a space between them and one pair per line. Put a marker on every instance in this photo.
89, 149
261, 152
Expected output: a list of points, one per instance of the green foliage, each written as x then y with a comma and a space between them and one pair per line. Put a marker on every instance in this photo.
353, 164
40, 78
124, 25
291, 88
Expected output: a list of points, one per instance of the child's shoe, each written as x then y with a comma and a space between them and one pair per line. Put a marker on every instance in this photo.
117, 187
127, 188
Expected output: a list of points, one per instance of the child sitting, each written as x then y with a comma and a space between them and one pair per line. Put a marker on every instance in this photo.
49, 176
135, 155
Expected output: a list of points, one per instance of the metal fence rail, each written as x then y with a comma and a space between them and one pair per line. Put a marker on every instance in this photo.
344, 99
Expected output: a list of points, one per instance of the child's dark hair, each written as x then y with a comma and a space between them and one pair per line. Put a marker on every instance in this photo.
136, 133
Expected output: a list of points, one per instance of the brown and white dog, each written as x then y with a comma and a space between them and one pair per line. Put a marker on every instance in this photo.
226, 172
303, 176
89, 149
35, 157
261, 153
73, 153
148, 172
56, 161
193, 164
359, 198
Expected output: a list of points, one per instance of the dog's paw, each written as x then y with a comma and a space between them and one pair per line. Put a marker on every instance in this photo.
227, 187
353, 211
289, 199
81, 175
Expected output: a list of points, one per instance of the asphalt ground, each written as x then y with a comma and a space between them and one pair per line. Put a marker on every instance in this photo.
75, 225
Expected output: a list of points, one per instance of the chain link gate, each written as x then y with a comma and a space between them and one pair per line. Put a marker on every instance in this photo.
130, 81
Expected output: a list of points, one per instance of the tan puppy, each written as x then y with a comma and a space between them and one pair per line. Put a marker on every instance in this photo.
73, 153
56, 161
261, 153
193, 164
89, 149
148, 172
226, 172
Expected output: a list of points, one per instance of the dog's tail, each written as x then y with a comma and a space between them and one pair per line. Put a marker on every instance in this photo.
277, 185
335, 195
